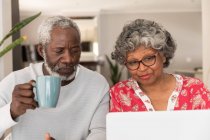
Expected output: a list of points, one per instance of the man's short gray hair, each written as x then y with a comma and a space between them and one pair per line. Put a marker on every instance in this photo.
46, 27
147, 33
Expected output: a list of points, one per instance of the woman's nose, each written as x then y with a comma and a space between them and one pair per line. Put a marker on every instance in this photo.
142, 67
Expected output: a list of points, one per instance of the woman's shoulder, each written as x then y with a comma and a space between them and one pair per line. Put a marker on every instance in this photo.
193, 83
126, 84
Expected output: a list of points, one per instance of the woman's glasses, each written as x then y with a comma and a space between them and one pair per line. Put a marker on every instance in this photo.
146, 61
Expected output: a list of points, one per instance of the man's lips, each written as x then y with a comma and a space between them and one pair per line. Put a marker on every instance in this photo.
65, 70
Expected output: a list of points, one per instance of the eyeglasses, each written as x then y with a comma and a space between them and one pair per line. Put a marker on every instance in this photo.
146, 61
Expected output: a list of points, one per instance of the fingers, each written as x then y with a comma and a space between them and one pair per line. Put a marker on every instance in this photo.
18, 109
48, 137
22, 99
19, 91
26, 100
25, 86
28, 85
32, 82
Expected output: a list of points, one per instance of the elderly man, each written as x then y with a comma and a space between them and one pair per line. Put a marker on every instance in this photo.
83, 102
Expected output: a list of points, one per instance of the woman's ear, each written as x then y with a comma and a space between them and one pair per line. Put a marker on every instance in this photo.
40, 50
163, 57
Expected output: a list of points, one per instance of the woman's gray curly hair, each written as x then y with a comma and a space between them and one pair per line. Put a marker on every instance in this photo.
147, 33
46, 27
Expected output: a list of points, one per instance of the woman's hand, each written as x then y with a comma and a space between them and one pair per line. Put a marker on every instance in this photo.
48, 137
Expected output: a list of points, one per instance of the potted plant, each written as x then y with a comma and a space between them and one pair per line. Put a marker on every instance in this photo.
115, 71
15, 29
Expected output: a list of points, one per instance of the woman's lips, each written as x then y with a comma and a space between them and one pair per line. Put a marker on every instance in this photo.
145, 77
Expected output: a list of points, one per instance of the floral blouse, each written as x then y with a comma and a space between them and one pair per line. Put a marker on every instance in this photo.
189, 94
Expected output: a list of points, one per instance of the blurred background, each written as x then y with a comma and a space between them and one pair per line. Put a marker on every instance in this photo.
101, 21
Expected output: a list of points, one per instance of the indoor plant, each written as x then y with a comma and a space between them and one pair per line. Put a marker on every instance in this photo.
15, 29
115, 71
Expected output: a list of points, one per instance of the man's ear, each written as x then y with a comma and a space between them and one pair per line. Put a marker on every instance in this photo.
40, 50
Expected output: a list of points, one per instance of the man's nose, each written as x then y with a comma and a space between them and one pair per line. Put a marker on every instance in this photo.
67, 58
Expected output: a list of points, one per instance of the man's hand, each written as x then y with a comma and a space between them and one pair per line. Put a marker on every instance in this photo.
48, 137
22, 99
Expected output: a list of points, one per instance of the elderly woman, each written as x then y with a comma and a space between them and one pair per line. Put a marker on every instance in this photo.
145, 48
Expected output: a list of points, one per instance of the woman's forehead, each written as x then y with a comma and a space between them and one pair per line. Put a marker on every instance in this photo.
142, 50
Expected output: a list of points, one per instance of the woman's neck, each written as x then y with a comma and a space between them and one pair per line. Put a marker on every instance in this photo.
161, 84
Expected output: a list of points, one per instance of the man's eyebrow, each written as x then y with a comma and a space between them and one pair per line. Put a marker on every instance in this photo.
76, 45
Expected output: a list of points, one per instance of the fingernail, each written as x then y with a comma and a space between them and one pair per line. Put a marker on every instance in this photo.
33, 84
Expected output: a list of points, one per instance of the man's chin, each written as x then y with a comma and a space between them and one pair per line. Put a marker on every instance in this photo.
67, 77
63, 73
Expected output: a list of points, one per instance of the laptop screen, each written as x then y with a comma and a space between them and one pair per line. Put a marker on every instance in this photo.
159, 125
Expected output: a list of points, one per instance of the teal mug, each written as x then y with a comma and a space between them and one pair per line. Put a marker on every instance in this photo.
47, 91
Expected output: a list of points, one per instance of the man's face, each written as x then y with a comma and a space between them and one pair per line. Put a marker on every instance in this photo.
62, 54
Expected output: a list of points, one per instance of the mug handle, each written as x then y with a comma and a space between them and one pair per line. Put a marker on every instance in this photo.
34, 90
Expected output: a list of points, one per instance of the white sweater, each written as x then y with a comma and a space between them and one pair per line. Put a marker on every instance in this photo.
80, 113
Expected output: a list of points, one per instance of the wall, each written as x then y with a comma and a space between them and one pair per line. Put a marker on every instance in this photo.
184, 26
5, 26
206, 41
87, 28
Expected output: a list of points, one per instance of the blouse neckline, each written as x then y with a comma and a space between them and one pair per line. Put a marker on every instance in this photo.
172, 99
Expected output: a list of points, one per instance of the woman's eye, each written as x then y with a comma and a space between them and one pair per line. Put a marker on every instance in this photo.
149, 58
132, 62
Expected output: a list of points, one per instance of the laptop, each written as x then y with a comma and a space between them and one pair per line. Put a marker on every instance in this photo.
159, 125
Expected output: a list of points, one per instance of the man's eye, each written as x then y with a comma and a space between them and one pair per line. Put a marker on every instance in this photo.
58, 50
74, 51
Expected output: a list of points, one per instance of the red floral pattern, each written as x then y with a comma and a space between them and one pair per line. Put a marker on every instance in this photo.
189, 94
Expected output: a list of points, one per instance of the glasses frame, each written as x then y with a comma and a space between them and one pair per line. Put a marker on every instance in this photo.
141, 61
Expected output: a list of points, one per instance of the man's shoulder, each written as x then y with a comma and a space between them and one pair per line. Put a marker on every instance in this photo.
90, 74
84, 70
30, 67
28, 73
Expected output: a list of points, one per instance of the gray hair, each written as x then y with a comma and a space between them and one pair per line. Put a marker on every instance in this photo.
46, 27
147, 33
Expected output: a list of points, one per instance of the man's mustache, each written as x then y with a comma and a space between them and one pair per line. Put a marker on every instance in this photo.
56, 68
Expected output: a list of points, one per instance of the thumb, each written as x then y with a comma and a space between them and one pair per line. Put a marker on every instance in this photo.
47, 136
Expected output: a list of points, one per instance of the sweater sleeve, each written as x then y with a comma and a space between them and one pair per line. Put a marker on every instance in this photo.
6, 120
6, 88
98, 123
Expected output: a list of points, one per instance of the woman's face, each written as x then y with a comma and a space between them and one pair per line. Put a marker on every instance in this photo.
145, 65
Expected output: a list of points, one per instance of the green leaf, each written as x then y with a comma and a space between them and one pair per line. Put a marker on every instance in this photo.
109, 61
12, 45
19, 26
